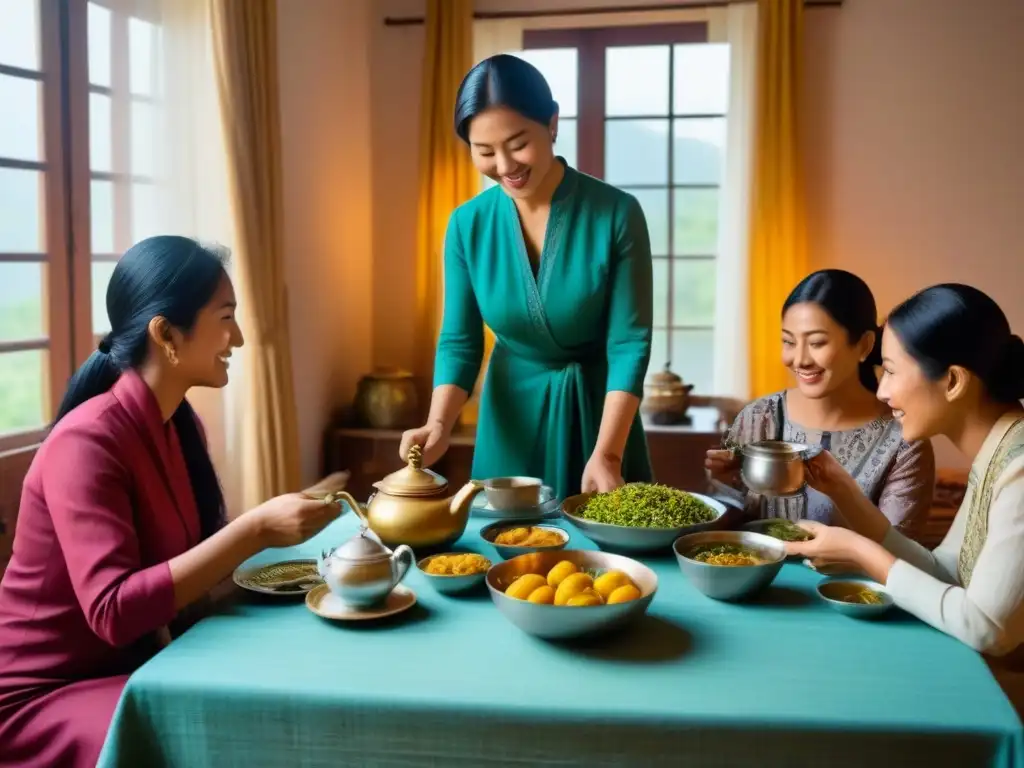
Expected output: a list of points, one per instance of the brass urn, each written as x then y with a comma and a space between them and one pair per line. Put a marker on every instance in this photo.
666, 398
387, 399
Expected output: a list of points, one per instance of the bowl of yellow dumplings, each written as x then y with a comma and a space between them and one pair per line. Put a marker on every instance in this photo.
564, 594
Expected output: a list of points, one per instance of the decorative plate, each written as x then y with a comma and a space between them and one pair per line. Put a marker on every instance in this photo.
288, 577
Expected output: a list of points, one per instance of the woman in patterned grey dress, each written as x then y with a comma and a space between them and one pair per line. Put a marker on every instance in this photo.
830, 341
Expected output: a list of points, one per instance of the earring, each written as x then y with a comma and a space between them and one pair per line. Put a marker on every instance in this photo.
172, 356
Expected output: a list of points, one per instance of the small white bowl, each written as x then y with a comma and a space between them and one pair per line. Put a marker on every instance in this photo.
504, 493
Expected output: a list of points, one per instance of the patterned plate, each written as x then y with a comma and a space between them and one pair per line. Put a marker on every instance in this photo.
321, 601
288, 577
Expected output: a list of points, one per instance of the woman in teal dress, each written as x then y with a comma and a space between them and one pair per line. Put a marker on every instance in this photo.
558, 265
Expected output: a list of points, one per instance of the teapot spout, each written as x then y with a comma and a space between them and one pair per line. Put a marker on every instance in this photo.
461, 501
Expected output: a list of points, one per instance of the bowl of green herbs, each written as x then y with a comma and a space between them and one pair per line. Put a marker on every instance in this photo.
641, 517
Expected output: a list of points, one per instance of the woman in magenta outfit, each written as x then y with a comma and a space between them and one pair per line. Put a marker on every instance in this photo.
121, 525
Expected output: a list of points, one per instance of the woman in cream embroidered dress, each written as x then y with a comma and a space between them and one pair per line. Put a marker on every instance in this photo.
951, 367
830, 340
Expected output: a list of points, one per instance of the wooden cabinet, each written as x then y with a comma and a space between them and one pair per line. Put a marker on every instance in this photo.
677, 453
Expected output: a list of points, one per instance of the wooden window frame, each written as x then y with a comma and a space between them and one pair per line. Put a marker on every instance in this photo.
591, 44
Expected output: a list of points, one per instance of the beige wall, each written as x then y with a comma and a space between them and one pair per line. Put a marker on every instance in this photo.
912, 114
328, 239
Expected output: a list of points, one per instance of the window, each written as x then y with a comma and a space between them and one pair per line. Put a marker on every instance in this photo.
644, 108
78, 87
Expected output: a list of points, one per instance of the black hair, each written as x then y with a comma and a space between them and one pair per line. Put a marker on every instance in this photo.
953, 324
847, 300
507, 81
171, 277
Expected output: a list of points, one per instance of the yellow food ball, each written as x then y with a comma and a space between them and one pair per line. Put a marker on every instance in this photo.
524, 585
559, 571
624, 594
571, 585
585, 598
608, 582
542, 595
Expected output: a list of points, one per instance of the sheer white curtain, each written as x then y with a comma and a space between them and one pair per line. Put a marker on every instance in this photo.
191, 192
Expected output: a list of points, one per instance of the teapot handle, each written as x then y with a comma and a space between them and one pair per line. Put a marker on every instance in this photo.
401, 563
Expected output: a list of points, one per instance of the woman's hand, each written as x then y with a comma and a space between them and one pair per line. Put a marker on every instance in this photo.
832, 544
828, 476
432, 437
723, 466
291, 519
603, 473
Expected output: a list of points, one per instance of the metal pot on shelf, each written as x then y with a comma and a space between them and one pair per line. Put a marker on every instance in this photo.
387, 399
666, 398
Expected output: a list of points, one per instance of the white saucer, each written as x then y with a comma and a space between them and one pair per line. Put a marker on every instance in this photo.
548, 507
324, 603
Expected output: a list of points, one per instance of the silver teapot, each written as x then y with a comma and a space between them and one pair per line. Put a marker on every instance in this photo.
362, 571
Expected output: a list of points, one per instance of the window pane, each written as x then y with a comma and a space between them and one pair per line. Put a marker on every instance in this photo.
101, 206
559, 67
693, 359
21, 211
19, 127
701, 80
101, 272
100, 137
565, 145
141, 56
23, 398
19, 33
143, 139
144, 212
693, 292
636, 80
659, 351
661, 293
636, 152
655, 205
99, 45
698, 151
696, 222
21, 302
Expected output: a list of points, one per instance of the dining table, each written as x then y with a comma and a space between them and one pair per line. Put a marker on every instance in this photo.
780, 679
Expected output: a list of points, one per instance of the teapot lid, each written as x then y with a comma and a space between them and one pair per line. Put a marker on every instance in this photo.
413, 479
665, 377
362, 547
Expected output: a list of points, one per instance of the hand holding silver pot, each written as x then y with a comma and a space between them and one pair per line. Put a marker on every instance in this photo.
776, 467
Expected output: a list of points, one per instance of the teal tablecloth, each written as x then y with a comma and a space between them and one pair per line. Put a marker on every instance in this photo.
783, 681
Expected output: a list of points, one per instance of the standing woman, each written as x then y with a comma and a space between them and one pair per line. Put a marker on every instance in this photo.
121, 524
951, 367
831, 342
558, 264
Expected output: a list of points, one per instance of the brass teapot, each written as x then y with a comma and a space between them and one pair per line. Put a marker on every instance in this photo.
666, 399
413, 507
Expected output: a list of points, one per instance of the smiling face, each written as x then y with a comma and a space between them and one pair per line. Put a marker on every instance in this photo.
203, 352
818, 350
920, 405
514, 151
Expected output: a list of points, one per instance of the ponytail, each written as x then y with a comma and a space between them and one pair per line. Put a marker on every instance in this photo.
169, 277
866, 371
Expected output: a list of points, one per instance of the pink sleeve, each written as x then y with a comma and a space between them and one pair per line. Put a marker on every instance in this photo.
87, 492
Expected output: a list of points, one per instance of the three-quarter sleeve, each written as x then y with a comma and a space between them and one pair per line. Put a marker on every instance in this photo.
460, 346
88, 494
989, 614
630, 315
906, 496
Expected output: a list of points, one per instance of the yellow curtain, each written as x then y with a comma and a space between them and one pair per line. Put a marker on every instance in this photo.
447, 175
245, 54
778, 250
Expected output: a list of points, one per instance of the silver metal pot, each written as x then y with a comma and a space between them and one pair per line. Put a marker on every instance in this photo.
775, 467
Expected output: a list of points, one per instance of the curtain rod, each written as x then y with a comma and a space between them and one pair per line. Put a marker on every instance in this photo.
410, 21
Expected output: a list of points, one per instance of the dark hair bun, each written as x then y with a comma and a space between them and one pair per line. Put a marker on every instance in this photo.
1008, 374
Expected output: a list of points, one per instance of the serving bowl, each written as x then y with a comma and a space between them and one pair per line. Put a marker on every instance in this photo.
511, 493
730, 582
451, 585
559, 622
629, 538
761, 526
508, 551
831, 592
